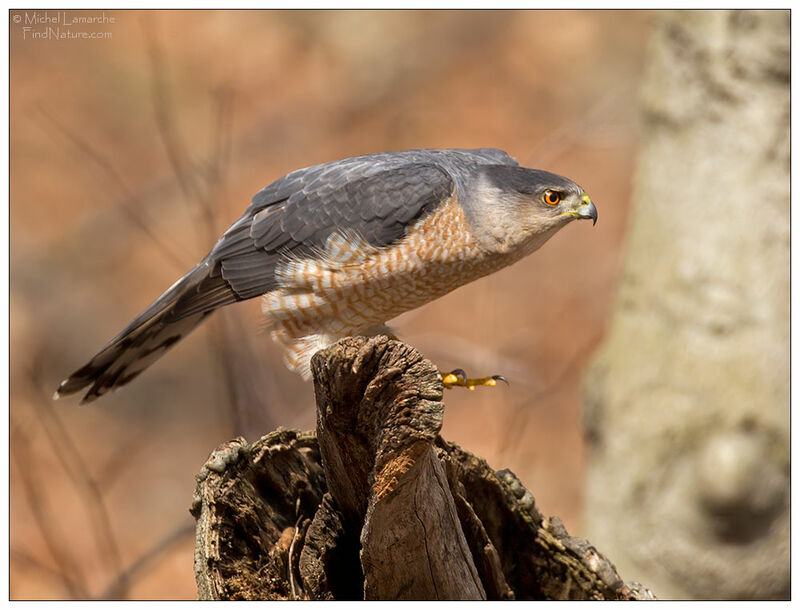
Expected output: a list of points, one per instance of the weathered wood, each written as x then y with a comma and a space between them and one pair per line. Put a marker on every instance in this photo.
247, 504
380, 507
379, 411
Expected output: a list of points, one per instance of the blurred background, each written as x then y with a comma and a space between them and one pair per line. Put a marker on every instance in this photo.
131, 152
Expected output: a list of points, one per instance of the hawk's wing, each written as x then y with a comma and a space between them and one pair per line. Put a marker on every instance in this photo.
298, 217
377, 197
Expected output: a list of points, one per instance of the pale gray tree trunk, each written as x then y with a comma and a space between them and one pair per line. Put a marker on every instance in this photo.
687, 401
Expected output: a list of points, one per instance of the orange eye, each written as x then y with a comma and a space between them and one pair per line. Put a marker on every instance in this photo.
551, 197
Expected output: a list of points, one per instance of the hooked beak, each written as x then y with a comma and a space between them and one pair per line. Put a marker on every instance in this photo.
586, 210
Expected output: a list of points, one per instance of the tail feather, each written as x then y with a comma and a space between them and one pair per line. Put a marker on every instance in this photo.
170, 318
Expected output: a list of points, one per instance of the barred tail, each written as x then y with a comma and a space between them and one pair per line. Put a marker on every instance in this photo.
170, 318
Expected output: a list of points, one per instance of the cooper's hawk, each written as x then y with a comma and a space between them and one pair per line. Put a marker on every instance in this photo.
341, 248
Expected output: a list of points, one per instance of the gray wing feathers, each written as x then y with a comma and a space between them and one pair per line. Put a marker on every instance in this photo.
377, 206
250, 274
376, 196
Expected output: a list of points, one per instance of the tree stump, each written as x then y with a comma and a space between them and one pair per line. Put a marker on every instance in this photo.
376, 505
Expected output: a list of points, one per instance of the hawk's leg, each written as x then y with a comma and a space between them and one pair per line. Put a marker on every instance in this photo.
458, 378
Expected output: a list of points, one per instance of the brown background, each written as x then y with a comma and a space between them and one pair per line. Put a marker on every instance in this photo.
131, 154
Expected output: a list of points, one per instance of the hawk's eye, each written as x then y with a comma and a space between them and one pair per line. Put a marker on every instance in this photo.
551, 197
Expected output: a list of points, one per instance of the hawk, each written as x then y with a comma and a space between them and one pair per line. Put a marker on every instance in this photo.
341, 248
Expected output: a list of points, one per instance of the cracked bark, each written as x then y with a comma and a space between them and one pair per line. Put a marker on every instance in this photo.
376, 505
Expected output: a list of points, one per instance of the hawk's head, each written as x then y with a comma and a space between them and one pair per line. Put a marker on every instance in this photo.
516, 208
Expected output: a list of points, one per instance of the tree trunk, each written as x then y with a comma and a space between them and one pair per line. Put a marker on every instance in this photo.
687, 402
376, 505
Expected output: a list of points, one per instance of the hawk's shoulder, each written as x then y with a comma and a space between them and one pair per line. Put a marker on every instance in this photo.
335, 173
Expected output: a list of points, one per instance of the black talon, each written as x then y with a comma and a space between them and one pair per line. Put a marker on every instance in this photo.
501, 378
461, 374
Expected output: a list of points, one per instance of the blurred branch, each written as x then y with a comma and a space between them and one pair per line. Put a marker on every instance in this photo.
216, 169
165, 122
120, 586
21, 558
249, 385
230, 340
560, 139
472, 355
522, 410
90, 492
128, 204
223, 136
72, 462
120, 459
68, 569
486, 361
475, 355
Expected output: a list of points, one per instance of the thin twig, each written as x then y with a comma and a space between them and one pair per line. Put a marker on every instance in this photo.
223, 135
472, 355
293, 592
193, 192
566, 134
230, 342
21, 558
128, 203
74, 465
248, 387
165, 123
522, 411
68, 569
118, 588
122, 458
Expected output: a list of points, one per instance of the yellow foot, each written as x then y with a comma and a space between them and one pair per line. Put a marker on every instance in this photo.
458, 378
